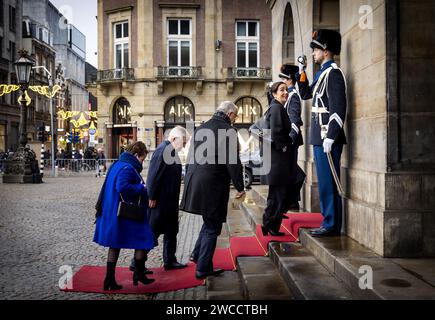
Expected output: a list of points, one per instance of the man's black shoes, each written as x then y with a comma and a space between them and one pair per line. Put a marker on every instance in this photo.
174, 266
323, 232
203, 275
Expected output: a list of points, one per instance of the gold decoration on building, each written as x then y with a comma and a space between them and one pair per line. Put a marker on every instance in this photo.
82, 120
8, 88
45, 90
27, 99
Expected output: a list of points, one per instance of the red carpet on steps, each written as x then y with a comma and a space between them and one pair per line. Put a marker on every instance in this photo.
297, 221
222, 259
90, 278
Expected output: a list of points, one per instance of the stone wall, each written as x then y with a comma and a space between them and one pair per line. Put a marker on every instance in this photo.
388, 166
410, 179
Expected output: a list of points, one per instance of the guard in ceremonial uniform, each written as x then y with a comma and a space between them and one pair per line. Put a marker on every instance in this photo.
328, 92
293, 109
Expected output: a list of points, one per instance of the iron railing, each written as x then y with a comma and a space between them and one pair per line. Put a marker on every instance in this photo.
249, 73
179, 72
124, 74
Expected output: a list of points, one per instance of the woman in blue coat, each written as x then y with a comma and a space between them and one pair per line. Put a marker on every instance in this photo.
114, 232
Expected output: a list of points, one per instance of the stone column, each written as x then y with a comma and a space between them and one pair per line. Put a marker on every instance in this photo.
109, 139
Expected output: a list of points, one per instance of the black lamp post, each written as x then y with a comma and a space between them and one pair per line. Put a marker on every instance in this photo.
23, 67
22, 166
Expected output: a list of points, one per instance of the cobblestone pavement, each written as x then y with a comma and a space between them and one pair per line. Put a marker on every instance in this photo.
44, 227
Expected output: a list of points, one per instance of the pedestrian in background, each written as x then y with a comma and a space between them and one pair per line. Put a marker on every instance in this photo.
118, 233
207, 182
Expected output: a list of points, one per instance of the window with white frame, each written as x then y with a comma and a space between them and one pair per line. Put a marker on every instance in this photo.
121, 45
179, 53
247, 47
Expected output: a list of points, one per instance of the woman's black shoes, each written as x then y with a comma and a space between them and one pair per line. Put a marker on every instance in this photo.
266, 231
139, 274
109, 281
111, 285
142, 278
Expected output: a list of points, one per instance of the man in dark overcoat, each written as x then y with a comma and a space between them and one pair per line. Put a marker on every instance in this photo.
213, 162
163, 183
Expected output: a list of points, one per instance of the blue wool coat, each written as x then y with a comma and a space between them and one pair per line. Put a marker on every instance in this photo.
114, 232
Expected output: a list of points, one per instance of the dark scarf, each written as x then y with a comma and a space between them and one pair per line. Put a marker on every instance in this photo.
132, 160
222, 116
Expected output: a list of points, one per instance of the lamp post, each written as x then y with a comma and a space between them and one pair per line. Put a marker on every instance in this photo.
53, 151
22, 166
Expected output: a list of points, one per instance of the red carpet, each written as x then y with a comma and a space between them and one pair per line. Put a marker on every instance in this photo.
222, 259
90, 279
264, 240
246, 247
297, 221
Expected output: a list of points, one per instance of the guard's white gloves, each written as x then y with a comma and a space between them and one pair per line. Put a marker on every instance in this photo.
327, 145
302, 60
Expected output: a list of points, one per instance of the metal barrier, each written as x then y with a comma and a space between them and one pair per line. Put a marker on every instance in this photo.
78, 167
82, 167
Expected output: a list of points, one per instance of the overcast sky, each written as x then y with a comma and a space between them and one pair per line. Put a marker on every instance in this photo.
82, 13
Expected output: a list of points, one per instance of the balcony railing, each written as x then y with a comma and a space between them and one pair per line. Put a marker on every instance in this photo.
124, 74
179, 72
249, 73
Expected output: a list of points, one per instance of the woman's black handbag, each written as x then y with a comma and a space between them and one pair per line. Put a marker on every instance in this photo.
131, 211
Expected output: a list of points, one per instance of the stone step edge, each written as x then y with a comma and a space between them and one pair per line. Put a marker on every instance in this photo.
330, 262
243, 283
289, 278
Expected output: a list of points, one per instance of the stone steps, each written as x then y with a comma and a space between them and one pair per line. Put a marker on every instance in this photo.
261, 280
349, 261
304, 275
342, 257
226, 286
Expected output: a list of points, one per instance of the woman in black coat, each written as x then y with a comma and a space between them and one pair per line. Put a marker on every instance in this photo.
283, 164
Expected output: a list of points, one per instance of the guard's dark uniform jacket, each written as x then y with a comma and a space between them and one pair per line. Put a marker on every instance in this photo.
329, 104
293, 108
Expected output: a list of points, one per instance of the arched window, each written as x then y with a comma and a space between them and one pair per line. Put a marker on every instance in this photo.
288, 37
179, 110
250, 110
122, 112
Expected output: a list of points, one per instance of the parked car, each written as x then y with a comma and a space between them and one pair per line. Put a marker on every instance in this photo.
251, 163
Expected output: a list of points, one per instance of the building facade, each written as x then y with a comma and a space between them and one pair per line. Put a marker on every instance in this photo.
10, 43
168, 63
388, 166
38, 39
61, 48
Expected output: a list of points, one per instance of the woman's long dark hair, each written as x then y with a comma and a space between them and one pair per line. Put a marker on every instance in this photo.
273, 89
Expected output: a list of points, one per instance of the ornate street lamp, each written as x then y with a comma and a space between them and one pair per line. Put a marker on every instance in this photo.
22, 166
